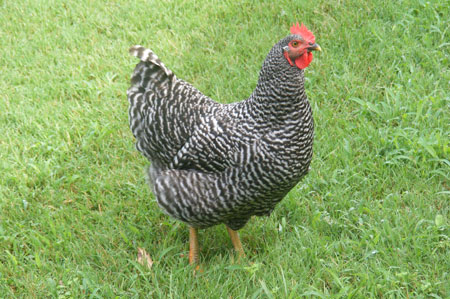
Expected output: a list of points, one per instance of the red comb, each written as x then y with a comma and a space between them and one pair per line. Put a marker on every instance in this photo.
304, 32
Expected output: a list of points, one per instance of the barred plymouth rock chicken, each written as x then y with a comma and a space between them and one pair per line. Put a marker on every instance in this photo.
215, 163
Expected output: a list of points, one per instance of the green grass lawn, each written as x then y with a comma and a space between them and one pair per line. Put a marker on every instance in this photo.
371, 219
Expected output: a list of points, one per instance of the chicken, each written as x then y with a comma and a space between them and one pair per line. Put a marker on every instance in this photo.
215, 163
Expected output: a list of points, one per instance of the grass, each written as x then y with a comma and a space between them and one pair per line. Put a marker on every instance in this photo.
371, 219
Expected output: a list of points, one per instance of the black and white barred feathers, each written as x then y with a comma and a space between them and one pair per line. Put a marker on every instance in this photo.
217, 163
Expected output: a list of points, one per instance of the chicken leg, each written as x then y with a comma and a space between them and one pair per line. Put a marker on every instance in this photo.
236, 242
193, 246
194, 249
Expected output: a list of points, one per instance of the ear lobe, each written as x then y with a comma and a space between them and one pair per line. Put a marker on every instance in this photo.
286, 54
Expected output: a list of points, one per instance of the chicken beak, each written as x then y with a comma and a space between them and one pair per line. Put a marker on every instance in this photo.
314, 47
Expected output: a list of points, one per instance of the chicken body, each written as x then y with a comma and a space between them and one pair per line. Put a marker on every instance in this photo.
215, 163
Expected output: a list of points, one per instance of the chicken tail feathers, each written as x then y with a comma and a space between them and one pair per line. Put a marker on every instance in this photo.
147, 55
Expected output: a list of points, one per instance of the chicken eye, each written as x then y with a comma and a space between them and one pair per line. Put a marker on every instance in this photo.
294, 44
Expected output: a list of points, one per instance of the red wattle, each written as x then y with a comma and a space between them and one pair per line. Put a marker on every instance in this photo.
303, 61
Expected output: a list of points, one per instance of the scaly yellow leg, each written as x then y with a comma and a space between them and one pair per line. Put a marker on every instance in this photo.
236, 242
193, 246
